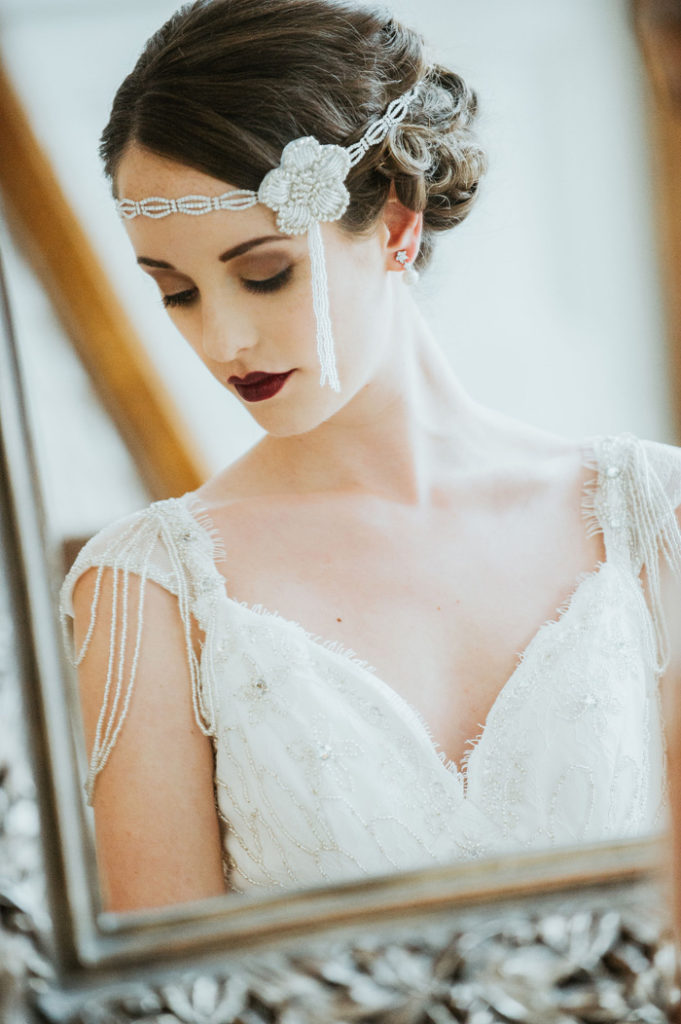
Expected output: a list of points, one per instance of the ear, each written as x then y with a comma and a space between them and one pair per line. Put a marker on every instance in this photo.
403, 230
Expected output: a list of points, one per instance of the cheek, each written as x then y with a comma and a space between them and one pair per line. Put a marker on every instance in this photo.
286, 321
359, 309
358, 280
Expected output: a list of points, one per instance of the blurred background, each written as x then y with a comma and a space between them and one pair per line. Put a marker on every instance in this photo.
557, 301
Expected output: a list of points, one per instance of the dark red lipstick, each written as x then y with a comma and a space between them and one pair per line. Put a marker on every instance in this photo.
256, 387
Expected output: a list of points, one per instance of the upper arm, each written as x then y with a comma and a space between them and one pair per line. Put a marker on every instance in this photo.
158, 835
670, 590
671, 710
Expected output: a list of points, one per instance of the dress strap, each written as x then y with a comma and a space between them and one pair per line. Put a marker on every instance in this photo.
167, 544
633, 500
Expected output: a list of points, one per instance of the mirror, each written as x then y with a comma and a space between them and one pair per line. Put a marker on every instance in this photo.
463, 940
574, 291
593, 906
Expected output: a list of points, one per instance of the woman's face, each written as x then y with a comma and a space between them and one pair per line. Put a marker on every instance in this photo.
240, 292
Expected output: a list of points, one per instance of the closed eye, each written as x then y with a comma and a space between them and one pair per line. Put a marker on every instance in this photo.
183, 298
269, 284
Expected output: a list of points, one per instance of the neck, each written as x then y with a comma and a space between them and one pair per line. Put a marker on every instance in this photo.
398, 434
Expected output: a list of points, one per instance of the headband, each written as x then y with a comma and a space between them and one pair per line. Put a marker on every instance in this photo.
307, 187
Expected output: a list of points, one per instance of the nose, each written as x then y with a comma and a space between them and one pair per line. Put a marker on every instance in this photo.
225, 334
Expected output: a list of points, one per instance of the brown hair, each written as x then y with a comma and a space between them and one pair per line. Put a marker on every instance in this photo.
225, 84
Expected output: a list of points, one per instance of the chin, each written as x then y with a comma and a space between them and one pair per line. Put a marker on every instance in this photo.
305, 408
301, 417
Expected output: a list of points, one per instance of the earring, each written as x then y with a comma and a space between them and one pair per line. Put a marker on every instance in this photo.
411, 275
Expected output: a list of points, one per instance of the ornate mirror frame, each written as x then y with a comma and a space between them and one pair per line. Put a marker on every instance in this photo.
419, 946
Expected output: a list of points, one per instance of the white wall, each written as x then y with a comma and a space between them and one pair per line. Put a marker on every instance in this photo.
547, 299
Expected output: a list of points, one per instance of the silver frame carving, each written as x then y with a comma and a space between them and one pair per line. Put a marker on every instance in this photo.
91, 949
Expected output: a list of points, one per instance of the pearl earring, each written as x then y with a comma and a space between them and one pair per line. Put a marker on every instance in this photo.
411, 275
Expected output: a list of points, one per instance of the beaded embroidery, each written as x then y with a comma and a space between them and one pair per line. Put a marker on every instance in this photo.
324, 773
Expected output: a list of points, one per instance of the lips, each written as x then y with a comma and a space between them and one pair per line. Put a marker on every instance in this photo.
256, 387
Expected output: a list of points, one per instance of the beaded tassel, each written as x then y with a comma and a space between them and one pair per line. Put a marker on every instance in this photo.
320, 299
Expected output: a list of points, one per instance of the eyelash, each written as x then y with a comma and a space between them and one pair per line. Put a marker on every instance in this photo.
270, 284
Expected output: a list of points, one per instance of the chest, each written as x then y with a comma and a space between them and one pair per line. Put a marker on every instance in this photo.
441, 606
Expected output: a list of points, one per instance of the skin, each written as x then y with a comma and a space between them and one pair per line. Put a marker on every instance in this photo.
400, 517
671, 713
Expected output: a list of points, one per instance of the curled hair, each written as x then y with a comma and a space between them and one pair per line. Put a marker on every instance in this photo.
224, 85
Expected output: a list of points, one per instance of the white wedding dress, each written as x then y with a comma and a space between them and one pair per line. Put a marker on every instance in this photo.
323, 773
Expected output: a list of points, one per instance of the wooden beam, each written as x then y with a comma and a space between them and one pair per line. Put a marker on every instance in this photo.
115, 358
658, 25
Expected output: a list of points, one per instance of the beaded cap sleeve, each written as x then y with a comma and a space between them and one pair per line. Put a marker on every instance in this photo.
323, 772
175, 549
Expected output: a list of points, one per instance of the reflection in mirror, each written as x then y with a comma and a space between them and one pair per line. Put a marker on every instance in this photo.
400, 628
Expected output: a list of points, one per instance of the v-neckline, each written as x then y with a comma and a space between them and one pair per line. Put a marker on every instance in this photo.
589, 458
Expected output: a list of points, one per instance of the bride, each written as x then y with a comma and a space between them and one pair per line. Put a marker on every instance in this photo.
282, 170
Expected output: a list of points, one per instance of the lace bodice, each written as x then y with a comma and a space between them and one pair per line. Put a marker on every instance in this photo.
324, 773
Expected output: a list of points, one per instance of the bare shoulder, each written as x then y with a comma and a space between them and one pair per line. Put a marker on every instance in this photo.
254, 498
532, 462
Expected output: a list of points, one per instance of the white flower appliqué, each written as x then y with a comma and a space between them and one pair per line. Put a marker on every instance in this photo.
308, 185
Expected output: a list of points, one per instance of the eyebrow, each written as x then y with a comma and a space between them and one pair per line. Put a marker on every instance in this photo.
236, 250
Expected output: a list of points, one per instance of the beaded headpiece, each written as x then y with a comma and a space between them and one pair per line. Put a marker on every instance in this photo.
306, 188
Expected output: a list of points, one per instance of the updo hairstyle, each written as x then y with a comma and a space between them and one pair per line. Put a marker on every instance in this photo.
224, 85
